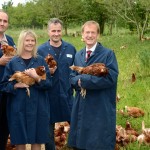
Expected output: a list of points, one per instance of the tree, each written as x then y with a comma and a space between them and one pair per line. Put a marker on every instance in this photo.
67, 10
94, 10
7, 5
135, 12
27, 15
109, 12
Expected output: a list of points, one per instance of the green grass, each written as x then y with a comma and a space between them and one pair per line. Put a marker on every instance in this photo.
135, 58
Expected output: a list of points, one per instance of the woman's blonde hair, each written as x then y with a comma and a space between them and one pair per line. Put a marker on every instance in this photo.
21, 39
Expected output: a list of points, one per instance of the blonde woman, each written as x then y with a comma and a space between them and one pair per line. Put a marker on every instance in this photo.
28, 117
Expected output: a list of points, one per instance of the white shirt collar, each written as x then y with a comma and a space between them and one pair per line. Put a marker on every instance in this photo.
92, 48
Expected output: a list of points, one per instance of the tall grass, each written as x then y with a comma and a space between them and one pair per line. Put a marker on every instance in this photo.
134, 58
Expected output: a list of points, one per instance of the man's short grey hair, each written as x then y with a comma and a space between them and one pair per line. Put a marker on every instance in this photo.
55, 21
3, 11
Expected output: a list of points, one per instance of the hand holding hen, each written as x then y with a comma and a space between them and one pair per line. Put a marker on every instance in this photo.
29, 77
5, 59
8, 50
52, 64
96, 69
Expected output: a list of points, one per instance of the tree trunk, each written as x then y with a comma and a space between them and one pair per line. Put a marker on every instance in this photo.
139, 31
110, 29
66, 33
102, 23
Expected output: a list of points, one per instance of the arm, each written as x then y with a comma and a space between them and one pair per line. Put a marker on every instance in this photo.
94, 82
5, 59
43, 84
6, 85
74, 79
32, 73
52, 70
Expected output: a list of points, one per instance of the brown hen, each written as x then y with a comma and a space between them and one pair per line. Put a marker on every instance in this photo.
130, 130
134, 111
61, 133
123, 138
133, 78
96, 69
24, 78
8, 50
50, 61
145, 136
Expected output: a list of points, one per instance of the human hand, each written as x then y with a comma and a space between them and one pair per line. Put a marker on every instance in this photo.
52, 70
5, 59
32, 73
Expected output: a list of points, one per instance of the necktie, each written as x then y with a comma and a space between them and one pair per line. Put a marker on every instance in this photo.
88, 54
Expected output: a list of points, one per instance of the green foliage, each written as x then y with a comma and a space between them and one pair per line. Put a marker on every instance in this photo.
26, 16
100, 13
134, 13
7, 5
66, 10
144, 57
109, 13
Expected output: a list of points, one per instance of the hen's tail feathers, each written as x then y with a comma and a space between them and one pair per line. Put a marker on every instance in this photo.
11, 79
76, 68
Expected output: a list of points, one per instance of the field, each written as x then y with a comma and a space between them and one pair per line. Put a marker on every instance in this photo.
133, 57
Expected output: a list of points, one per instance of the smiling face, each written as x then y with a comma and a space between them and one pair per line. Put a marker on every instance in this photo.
3, 22
29, 43
55, 33
90, 34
